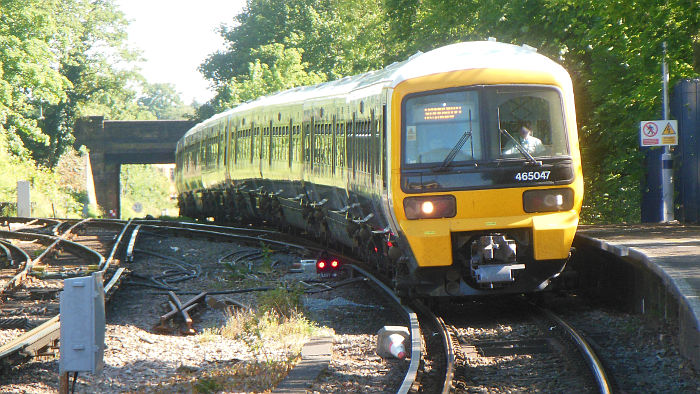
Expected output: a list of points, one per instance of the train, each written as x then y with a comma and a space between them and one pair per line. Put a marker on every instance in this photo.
456, 172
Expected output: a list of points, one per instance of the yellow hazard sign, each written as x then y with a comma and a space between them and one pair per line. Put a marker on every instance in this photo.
668, 130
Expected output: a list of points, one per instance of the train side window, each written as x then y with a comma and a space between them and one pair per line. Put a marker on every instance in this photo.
350, 144
233, 145
340, 145
296, 152
254, 143
284, 137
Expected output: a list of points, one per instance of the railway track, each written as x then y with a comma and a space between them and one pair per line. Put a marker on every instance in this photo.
40, 254
75, 248
508, 345
459, 358
284, 242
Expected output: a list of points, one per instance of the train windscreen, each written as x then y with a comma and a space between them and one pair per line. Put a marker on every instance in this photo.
473, 137
485, 118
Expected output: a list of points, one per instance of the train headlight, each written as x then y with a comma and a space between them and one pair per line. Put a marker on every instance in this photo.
430, 207
548, 200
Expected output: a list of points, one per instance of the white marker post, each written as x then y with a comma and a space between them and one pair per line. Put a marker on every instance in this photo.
24, 201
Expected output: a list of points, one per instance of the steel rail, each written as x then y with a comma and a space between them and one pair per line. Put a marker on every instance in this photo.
239, 237
592, 360
448, 346
47, 223
23, 268
416, 345
29, 344
203, 226
52, 242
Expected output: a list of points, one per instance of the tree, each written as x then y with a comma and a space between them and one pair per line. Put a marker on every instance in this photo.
332, 38
164, 102
274, 68
28, 77
59, 60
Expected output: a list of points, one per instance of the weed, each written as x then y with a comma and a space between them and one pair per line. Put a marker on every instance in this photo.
235, 271
205, 386
266, 259
277, 323
281, 301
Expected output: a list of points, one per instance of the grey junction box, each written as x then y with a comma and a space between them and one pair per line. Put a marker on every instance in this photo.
82, 324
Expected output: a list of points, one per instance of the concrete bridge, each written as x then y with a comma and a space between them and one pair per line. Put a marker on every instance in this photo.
116, 142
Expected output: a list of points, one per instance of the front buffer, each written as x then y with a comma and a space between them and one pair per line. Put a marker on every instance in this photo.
450, 257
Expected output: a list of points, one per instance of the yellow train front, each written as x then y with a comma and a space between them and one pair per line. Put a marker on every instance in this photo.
457, 171
487, 186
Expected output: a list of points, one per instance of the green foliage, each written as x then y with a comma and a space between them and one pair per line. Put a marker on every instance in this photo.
164, 102
275, 68
49, 195
207, 385
61, 60
274, 45
148, 186
281, 301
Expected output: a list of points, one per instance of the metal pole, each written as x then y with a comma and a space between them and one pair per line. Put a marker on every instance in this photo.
666, 158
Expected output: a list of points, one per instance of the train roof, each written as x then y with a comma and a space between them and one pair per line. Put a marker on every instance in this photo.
459, 56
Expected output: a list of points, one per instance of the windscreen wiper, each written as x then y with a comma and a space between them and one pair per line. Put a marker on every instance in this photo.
458, 146
453, 153
521, 149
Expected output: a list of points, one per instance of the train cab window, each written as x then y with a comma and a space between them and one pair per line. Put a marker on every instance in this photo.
441, 125
533, 117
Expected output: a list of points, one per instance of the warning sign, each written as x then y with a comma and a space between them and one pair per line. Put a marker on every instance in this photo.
658, 132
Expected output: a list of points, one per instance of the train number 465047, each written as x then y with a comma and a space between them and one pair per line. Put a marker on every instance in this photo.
532, 176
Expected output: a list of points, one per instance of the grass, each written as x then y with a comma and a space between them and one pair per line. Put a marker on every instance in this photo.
275, 333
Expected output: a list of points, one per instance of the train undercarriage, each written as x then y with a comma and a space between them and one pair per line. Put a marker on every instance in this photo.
483, 263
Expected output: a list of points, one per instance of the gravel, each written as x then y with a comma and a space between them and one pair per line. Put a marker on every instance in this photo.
139, 358
641, 352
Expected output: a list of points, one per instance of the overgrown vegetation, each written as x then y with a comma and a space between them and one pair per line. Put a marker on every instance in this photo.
146, 189
51, 195
276, 327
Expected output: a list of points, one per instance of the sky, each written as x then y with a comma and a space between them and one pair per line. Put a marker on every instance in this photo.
175, 37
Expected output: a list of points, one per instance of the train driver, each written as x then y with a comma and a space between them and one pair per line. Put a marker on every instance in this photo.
532, 144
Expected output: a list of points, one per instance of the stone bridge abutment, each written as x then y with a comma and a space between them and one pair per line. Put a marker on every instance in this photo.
112, 143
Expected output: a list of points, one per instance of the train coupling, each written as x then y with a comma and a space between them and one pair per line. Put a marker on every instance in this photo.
493, 260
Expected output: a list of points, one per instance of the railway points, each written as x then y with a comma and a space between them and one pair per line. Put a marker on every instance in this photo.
660, 273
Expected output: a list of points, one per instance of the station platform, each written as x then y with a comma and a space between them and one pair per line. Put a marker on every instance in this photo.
656, 270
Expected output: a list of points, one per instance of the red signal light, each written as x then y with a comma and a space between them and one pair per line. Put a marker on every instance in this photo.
327, 267
389, 244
